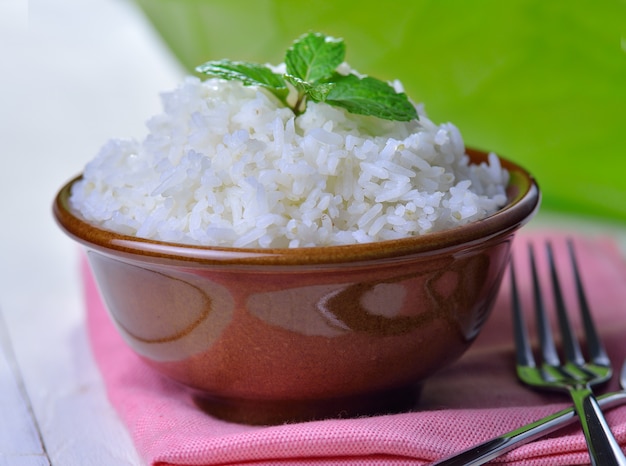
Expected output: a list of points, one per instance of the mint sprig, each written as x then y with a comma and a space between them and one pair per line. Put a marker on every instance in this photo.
311, 70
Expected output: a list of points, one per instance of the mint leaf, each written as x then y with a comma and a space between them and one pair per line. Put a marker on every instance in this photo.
315, 91
314, 57
370, 96
311, 64
250, 74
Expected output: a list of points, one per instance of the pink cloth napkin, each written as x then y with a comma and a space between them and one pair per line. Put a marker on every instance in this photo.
473, 400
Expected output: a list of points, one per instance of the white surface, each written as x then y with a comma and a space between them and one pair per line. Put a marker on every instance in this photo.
73, 74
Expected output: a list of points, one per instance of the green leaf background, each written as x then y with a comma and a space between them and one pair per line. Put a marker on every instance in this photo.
541, 82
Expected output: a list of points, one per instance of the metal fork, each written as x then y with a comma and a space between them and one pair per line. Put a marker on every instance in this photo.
498, 446
574, 374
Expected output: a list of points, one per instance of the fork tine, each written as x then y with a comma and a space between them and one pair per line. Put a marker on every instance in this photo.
523, 350
546, 340
594, 345
570, 344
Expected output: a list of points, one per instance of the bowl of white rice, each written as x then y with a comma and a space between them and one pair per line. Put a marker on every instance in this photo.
295, 268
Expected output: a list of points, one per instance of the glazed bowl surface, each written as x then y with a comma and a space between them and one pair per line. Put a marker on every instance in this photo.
266, 336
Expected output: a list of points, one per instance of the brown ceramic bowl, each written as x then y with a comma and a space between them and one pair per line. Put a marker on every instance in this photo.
281, 335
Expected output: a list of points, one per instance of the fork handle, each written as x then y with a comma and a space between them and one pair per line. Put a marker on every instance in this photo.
490, 449
603, 447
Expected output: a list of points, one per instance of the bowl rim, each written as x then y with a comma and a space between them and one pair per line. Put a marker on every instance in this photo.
524, 197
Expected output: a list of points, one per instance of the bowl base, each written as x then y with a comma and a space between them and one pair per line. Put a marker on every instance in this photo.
271, 412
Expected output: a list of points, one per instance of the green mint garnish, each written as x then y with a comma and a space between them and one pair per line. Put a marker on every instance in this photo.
250, 74
311, 69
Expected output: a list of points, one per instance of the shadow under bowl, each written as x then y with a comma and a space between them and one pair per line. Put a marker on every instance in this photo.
267, 336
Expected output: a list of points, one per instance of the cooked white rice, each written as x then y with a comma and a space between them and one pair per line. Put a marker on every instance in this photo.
227, 165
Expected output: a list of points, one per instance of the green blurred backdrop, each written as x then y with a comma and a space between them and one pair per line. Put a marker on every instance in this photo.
542, 82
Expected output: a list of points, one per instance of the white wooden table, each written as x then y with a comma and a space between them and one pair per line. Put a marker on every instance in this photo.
73, 74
